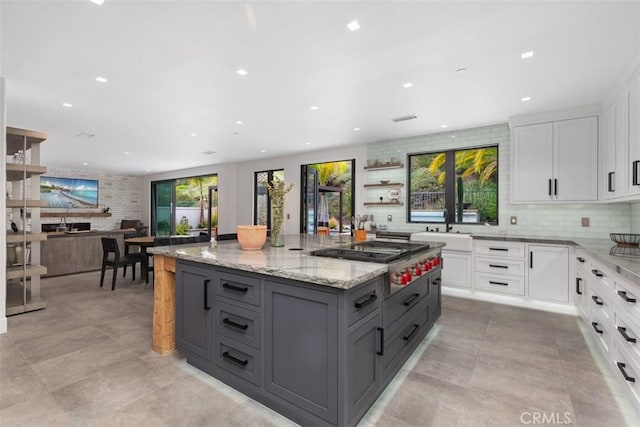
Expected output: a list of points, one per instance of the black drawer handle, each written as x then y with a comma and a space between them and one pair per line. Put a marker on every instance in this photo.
436, 282
624, 296
626, 376
413, 332
610, 182
411, 299
381, 352
364, 301
623, 332
235, 288
595, 327
636, 173
597, 273
233, 324
499, 249
235, 360
555, 186
206, 294
578, 283
498, 266
596, 299
550, 188
580, 259
498, 283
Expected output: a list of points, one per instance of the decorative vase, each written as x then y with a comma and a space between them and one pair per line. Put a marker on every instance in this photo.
277, 222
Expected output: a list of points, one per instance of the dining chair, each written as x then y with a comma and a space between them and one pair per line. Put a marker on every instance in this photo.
137, 253
111, 258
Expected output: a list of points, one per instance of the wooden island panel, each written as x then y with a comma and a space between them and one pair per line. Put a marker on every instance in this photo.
164, 304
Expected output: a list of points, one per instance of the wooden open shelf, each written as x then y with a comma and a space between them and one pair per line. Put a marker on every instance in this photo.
16, 171
17, 272
15, 139
15, 203
19, 237
74, 214
383, 204
388, 184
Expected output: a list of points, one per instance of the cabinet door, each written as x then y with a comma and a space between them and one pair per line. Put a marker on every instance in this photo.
194, 313
363, 366
576, 159
549, 273
301, 347
634, 139
532, 163
456, 269
614, 181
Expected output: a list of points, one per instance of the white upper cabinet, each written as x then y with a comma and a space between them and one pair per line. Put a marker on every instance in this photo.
633, 161
555, 161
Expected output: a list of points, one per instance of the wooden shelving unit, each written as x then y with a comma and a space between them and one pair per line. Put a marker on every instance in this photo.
23, 247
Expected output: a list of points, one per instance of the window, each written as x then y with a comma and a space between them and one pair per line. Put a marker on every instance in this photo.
261, 199
456, 186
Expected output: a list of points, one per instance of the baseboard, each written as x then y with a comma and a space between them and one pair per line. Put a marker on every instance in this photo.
511, 300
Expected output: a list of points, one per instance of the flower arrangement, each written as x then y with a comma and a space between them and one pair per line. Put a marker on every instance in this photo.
277, 191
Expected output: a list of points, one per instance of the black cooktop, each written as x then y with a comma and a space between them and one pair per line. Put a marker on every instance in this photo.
380, 251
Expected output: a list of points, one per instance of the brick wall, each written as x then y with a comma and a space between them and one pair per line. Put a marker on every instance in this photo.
561, 220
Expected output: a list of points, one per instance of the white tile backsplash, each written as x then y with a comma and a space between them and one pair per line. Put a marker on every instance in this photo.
557, 220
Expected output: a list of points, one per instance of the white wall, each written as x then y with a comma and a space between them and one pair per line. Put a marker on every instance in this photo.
635, 217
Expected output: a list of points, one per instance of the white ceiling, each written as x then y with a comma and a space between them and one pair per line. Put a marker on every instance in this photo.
171, 70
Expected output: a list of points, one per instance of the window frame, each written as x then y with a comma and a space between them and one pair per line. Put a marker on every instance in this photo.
269, 173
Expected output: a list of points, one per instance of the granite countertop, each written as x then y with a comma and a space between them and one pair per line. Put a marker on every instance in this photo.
524, 239
285, 262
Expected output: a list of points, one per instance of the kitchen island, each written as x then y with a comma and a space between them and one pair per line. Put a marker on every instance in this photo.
316, 339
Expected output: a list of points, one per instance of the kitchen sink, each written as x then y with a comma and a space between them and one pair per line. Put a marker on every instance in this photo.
454, 241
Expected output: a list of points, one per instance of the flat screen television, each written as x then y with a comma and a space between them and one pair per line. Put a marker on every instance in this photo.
69, 192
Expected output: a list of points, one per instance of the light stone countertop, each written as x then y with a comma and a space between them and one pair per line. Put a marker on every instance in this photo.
284, 262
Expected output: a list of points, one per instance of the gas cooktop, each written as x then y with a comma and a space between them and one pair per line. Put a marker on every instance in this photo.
380, 251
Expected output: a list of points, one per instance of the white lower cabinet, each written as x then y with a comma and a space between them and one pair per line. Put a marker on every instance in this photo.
456, 269
549, 273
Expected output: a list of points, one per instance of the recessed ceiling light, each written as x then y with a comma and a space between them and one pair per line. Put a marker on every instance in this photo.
356, 129
101, 79
407, 85
314, 107
526, 55
66, 104
307, 143
98, 2
461, 70
239, 122
85, 164
444, 126
453, 136
147, 170
126, 152
263, 151
195, 162
353, 26
194, 134
241, 72
525, 99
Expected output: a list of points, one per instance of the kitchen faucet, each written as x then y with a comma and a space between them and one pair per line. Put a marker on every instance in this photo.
447, 225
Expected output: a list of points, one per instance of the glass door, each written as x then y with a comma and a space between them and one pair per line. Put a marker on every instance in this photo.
310, 200
213, 211
162, 220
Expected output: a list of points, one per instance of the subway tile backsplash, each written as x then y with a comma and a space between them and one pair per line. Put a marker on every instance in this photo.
548, 220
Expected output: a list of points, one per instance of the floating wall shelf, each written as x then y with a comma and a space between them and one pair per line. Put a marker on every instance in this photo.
75, 214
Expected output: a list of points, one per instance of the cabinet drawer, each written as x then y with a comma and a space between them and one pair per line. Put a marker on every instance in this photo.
499, 249
511, 267
502, 284
237, 358
363, 300
239, 323
627, 333
238, 287
600, 328
629, 371
627, 296
403, 301
599, 300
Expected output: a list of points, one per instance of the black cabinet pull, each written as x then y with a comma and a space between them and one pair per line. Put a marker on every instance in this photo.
595, 327
235, 360
610, 186
205, 285
596, 299
436, 282
499, 249
623, 332
413, 332
626, 376
381, 352
636, 173
597, 273
550, 187
578, 282
498, 283
498, 266
624, 296
555, 187
364, 301
411, 299
580, 259
233, 324
234, 288
530, 259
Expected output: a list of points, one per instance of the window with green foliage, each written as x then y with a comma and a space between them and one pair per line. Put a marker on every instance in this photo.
456, 186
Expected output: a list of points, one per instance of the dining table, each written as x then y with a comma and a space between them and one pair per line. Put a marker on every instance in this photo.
143, 242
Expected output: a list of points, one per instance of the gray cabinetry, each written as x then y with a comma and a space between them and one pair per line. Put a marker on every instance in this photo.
194, 314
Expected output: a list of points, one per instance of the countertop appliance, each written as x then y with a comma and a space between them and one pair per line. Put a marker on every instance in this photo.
406, 261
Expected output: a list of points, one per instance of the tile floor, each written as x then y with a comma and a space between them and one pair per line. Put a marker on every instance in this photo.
86, 361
